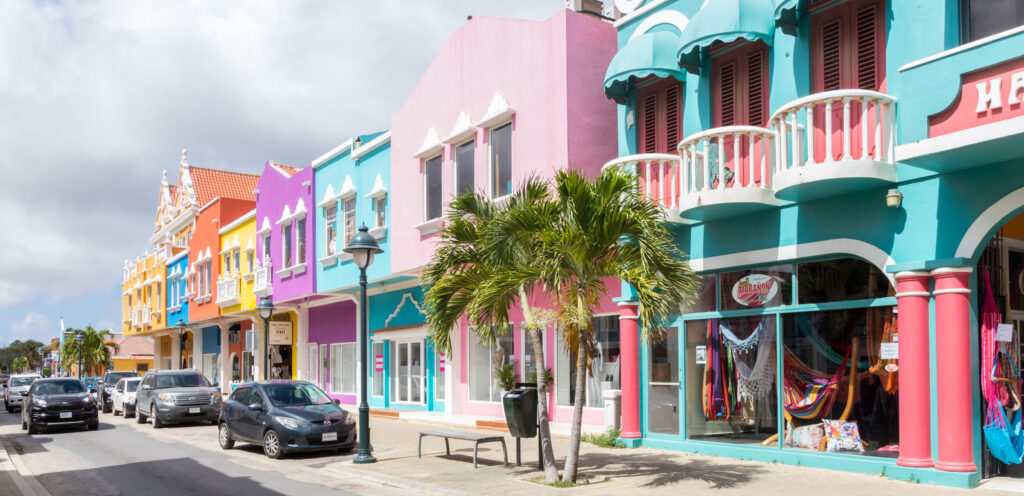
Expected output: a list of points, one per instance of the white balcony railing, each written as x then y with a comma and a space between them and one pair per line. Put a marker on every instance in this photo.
841, 134
724, 167
261, 283
658, 174
144, 318
227, 292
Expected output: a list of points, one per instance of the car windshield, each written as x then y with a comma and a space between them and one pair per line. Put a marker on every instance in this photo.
131, 386
301, 394
181, 380
22, 381
114, 376
58, 387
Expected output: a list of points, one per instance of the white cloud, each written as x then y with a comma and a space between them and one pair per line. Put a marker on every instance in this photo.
32, 326
100, 96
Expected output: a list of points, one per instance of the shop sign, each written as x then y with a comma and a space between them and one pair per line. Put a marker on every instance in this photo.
702, 355
440, 356
892, 367
378, 363
755, 290
1004, 332
890, 351
990, 95
280, 333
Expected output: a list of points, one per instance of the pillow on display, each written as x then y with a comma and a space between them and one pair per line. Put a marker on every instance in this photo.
807, 436
842, 436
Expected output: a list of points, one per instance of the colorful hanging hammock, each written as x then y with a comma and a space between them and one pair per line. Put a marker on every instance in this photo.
1004, 438
719, 377
990, 320
807, 393
819, 343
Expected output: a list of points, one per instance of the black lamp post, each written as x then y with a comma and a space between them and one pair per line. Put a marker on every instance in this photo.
363, 247
266, 309
42, 349
181, 326
79, 340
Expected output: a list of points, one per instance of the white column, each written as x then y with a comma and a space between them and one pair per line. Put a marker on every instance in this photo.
224, 361
301, 345
175, 351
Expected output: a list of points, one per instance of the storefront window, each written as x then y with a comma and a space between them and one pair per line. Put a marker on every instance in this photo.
528, 370
604, 372
236, 369
704, 301
762, 287
484, 362
730, 379
247, 371
343, 368
840, 279
1016, 268
407, 372
663, 383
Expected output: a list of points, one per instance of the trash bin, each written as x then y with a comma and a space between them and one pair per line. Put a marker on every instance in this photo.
521, 411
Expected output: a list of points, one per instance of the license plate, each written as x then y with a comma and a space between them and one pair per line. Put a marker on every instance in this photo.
65, 415
330, 437
194, 409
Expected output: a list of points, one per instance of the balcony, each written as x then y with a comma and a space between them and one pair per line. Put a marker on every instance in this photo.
144, 317
726, 171
833, 143
227, 292
262, 284
657, 173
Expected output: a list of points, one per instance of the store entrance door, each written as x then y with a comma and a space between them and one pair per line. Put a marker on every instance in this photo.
408, 368
663, 410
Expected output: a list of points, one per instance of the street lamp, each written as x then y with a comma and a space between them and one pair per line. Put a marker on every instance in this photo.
363, 247
266, 309
79, 340
42, 349
181, 326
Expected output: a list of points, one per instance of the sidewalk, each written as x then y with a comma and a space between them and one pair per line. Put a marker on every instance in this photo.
610, 470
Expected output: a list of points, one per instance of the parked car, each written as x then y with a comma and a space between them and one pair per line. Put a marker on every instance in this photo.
4, 378
284, 417
18, 384
123, 398
172, 396
105, 387
58, 402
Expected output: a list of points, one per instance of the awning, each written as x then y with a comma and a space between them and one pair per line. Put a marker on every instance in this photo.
785, 14
650, 54
725, 21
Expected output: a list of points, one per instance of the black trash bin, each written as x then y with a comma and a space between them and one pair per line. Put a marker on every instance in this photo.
521, 411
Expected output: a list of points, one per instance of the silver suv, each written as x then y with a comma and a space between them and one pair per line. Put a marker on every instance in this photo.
173, 396
19, 383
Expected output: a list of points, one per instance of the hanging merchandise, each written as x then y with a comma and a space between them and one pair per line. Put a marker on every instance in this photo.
718, 374
809, 394
1005, 438
885, 367
753, 383
990, 320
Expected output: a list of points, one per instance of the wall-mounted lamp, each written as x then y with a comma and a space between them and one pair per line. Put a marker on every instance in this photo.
894, 198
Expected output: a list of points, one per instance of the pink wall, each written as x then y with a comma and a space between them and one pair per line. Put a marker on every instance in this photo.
550, 71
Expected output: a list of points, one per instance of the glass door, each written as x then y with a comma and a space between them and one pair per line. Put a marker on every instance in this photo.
312, 364
408, 368
324, 368
663, 383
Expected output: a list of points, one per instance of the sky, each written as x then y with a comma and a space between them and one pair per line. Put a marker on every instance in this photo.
98, 97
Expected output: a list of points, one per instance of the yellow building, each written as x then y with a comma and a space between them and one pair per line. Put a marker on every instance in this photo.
144, 286
238, 265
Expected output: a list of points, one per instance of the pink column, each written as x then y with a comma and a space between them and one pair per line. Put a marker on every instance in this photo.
629, 353
953, 366
915, 385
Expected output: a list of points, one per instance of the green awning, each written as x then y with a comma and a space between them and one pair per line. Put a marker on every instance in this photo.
725, 21
650, 54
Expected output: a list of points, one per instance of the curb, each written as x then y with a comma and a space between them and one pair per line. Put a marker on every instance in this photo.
12, 465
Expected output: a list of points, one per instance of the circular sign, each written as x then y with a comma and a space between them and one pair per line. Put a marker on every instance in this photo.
892, 367
755, 290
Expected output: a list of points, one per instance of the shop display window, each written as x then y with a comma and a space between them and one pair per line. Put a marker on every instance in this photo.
1016, 270
704, 301
604, 371
761, 287
484, 361
839, 279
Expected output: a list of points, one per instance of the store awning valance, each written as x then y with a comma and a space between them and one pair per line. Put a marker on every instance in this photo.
650, 54
725, 21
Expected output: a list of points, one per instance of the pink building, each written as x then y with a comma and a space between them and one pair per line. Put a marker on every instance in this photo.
504, 99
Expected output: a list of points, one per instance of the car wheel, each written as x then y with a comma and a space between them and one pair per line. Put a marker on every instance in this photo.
32, 429
224, 436
157, 424
272, 445
139, 417
129, 412
114, 411
107, 407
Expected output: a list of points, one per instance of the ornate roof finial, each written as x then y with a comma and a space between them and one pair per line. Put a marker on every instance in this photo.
164, 180
184, 157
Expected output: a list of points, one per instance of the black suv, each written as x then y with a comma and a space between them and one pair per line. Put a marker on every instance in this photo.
58, 403
172, 396
105, 387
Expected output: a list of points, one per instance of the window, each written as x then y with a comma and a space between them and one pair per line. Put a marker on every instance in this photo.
238, 260
380, 214
287, 237
227, 263
740, 80
761, 287
250, 261
848, 47
266, 249
378, 369
604, 364
661, 117
981, 18
330, 229
209, 276
484, 360
247, 372
300, 241
501, 161
408, 373
349, 216
432, 188
343, 368
464, 167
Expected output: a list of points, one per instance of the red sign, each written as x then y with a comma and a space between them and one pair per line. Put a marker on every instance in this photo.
440, 365
986, 96
378, 363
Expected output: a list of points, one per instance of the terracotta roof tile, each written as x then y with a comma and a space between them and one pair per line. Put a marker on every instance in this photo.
135, 346
212, 183
286, 169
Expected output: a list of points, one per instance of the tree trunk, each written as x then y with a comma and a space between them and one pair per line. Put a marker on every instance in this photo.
537, 338
572, 458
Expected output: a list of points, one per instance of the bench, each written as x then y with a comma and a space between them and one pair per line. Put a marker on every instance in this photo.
464, 436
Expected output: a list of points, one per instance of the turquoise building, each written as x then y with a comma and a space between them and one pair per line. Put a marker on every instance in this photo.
847, 179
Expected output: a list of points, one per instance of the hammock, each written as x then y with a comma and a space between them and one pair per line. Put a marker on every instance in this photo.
1005, 438
755, 383
819, 343
990, 320
718, 377
742, 345
808, 393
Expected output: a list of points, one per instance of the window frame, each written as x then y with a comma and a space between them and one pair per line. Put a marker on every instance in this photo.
426, 187
490, 348
345, 218
380, 211
337, 351
286, 245
300, 241
330, 213
491, 172
456, 166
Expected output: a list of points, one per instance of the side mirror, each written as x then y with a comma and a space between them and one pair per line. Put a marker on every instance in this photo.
147, 387
256, 407
337, 402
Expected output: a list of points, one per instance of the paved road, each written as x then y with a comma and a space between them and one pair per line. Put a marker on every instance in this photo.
123, 457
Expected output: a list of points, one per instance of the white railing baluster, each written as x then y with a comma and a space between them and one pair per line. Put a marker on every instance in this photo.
751, 165
798, 148
828, 130
846, 129
864, 129
647, 178
764, 160
810, 135
878, 130
736, 167
890, 114
721, 162
784, 135
676, 177
661, 183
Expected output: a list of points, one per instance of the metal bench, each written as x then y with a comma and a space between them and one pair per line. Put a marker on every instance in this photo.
465, 436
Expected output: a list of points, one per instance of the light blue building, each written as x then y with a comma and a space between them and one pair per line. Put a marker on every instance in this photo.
823, 164
177, 302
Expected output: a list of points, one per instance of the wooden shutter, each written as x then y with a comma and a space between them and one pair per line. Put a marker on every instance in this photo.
672, 116
727, 95
755, 88
848, 48
660, 110
740, 84
649, 123
867, 47
831, 55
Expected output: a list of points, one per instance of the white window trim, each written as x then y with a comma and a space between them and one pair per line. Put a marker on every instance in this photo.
423, 366
299, 267
355, 221
285, 249
503, 199
329, 260
336, 388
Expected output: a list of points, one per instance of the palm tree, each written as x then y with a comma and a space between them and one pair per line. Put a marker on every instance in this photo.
565, 243
482, 268
20, 364
606, 229
96, 350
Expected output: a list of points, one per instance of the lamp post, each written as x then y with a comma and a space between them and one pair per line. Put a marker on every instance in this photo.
363, 247
181, 326
42, 349
79, 340
266, 309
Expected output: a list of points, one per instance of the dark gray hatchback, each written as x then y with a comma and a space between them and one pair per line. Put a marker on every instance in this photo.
283, 417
